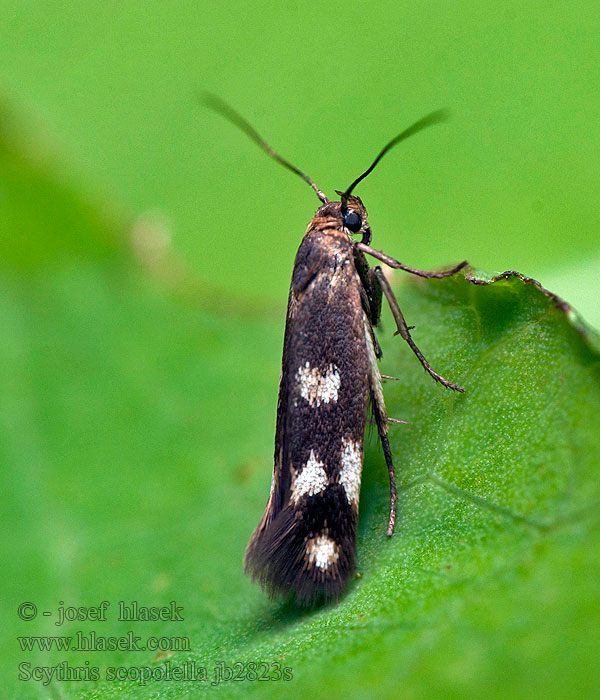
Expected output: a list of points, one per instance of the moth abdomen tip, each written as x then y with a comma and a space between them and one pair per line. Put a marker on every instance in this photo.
293, 561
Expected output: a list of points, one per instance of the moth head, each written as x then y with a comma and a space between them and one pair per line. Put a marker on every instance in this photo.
353, 216
335, 217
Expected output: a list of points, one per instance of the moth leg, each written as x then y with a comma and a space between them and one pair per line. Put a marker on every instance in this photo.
370, 287
391, 262
404, 331
382, 428
381, 418
393, 493
373, 289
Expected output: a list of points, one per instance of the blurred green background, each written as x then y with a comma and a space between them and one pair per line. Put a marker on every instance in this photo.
511, 183
146, 248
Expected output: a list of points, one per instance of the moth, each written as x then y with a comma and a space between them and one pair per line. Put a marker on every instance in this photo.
305, 544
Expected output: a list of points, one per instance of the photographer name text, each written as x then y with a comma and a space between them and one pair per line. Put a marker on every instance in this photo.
124, 612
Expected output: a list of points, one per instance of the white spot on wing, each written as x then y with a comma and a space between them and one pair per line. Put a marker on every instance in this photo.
311, 480
322, 551
350, 472
319, 386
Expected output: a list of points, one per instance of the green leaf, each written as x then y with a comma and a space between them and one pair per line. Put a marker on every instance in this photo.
137, 422
45, 218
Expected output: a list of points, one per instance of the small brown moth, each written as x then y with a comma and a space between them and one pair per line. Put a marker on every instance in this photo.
305, 543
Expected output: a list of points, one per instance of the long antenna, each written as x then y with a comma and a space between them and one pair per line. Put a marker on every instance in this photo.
221, 107
436, 117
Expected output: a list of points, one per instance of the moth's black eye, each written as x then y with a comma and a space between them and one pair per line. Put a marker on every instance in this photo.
352, 221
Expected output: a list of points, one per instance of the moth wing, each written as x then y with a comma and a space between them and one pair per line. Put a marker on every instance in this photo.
305, 543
